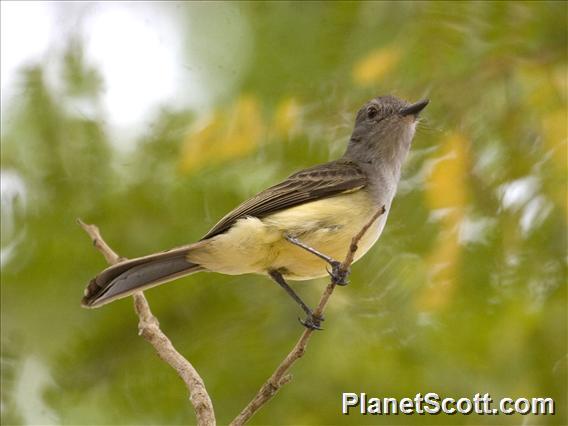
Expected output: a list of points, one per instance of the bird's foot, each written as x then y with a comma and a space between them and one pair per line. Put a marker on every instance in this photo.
338, 273
312, 321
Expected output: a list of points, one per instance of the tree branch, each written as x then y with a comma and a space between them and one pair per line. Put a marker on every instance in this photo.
281, 376
149, 328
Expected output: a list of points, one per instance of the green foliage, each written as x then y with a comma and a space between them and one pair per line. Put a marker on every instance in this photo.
464, 293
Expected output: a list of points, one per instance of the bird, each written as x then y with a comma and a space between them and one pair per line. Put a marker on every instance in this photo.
292, 230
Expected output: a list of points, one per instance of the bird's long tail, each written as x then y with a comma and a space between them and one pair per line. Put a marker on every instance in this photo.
133, 275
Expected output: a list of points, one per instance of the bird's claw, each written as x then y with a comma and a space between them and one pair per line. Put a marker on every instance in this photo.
312, 322
338, 273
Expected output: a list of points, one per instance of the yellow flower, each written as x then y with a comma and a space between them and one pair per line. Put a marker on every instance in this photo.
227, 135
446, 189
375, 65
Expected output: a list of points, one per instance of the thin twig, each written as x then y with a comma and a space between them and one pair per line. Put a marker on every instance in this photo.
149, 328
355, 240
110, 256
281, 376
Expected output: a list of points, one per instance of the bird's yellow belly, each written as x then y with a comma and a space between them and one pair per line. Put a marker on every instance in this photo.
255, 245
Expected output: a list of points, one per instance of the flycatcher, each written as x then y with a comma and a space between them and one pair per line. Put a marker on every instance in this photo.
316, 209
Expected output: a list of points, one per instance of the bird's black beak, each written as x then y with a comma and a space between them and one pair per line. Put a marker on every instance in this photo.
414, 109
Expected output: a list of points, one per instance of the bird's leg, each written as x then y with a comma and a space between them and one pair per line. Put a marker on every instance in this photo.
338, 273
311, 321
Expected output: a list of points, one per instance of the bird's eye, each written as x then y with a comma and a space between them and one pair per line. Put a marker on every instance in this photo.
372, 112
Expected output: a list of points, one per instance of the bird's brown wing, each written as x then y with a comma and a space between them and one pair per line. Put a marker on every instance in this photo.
304, 186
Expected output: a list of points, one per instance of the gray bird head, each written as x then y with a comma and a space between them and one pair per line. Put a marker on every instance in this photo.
384, 129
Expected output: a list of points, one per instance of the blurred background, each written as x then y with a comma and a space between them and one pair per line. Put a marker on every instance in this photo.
152, 120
